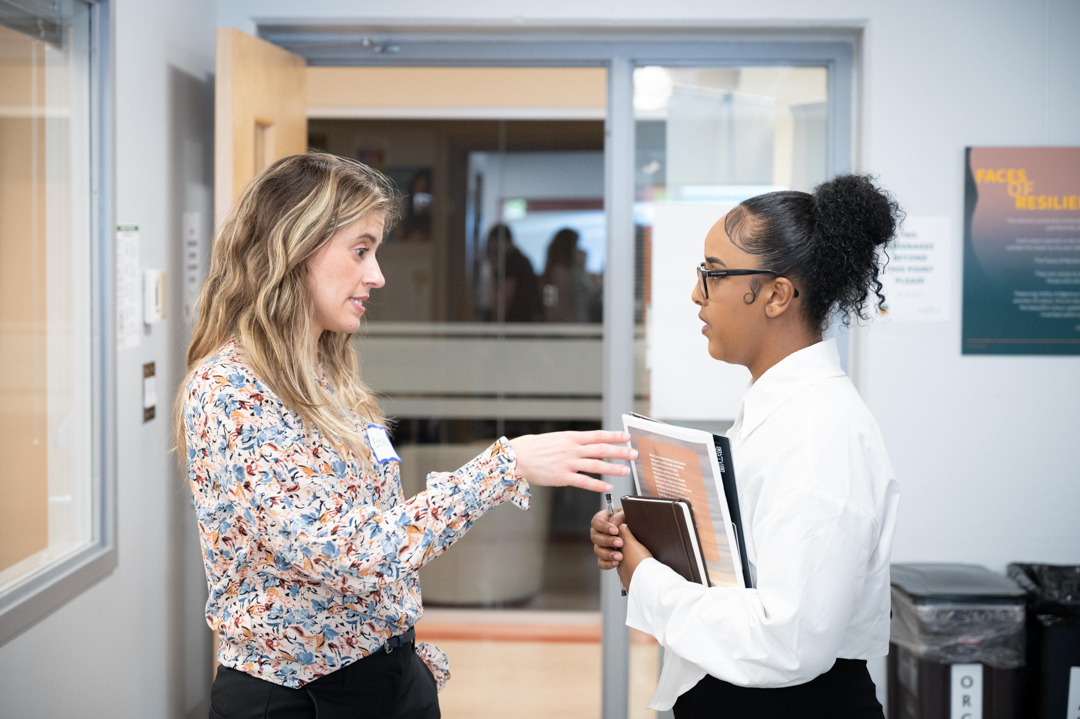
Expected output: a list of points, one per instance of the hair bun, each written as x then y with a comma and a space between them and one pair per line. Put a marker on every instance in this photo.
829, 242
851, 210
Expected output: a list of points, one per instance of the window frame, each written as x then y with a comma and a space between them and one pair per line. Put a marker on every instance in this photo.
30, 601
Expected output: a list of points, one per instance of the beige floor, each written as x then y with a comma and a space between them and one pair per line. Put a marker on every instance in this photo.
524, 680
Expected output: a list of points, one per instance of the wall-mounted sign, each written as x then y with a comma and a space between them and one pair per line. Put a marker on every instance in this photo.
129, 289
1022, 250
916, 279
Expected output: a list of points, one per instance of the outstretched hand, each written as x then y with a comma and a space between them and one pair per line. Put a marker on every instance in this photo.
560, 459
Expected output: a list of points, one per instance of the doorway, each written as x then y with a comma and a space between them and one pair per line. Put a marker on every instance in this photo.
440, 352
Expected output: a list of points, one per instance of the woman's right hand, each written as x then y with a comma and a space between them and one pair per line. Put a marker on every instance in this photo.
604, 533
558, 459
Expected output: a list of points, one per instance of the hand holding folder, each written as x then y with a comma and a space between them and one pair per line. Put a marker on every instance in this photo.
666, 528
695, 467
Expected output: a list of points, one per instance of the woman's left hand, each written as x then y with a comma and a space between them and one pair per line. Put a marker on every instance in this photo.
559, 459
633, 553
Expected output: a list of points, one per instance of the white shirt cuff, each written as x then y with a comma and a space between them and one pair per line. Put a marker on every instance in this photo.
647, 585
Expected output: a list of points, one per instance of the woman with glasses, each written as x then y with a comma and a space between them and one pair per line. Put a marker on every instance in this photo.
817, 493
311, 551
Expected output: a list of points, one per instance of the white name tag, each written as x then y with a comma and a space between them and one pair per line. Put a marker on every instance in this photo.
380, 444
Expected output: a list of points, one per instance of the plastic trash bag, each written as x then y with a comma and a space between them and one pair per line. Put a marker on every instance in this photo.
958, 632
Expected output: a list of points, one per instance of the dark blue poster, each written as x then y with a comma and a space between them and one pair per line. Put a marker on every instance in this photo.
1022, 250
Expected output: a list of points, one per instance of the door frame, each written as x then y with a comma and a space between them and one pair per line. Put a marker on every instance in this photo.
619, 52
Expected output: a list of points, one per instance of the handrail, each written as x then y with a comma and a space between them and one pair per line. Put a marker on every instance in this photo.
481, 329
531, 330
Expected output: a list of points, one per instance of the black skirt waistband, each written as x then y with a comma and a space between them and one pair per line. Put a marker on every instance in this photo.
844, 692
383, 658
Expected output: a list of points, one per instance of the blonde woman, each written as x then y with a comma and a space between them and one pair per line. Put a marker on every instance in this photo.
311, 551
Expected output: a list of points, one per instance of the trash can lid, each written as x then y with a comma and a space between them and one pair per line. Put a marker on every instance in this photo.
964, 583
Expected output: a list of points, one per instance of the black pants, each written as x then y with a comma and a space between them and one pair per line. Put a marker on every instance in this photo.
843, 692
391, 686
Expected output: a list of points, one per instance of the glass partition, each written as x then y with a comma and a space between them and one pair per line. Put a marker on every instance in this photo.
46, 478
706, 139
490, 324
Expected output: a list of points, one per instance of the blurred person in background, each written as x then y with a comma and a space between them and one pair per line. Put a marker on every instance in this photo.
514, 285
570, 293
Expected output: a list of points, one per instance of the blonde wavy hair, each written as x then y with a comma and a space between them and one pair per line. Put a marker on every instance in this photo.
257, 292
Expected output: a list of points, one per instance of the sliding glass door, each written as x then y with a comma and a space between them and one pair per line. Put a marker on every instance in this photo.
541, 280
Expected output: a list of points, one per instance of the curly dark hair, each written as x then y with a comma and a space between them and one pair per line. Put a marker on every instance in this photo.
827, 243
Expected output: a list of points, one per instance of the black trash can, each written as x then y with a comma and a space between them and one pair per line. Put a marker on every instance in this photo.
956, 642
1050, 688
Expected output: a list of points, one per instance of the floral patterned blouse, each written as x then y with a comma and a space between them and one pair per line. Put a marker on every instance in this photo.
312, 558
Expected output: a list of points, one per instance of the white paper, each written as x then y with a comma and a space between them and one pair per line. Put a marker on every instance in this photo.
966, 691
685, 383
917, 279
129, 288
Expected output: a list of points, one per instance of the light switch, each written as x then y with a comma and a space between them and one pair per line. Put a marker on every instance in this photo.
154, 293
149, 392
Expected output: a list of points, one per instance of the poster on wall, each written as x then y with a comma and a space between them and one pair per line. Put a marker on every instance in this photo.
1022, 251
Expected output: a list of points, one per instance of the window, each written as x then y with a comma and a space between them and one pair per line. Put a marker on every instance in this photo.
52, 507
706, 139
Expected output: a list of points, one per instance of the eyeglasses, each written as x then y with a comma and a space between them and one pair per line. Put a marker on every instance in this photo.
704, 274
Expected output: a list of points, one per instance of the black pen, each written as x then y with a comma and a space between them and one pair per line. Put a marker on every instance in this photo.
610, 514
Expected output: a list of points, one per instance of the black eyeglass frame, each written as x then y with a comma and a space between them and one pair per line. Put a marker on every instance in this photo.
704, 274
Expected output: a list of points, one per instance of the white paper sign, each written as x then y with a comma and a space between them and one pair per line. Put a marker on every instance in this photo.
685, 383
917, 279
966, 691
129, 286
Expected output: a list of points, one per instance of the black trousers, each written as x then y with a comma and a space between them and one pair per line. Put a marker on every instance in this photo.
843, 692
391, 685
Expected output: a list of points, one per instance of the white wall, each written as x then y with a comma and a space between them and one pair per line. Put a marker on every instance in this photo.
985, 447
135, 646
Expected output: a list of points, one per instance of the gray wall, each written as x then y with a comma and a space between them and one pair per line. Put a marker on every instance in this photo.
136, 645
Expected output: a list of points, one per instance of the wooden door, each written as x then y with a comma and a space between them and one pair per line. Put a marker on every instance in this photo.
260, 112
260, 115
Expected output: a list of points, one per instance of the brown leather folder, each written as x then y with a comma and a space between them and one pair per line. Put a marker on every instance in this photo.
667, 529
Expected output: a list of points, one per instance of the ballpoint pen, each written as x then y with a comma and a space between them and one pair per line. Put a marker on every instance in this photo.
610, 514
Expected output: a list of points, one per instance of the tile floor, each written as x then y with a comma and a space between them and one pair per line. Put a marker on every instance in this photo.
527, 664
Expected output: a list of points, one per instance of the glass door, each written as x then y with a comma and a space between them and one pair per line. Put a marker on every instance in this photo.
491, 324
706, 138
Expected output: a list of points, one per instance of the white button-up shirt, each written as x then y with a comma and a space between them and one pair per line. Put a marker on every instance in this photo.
819, 501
